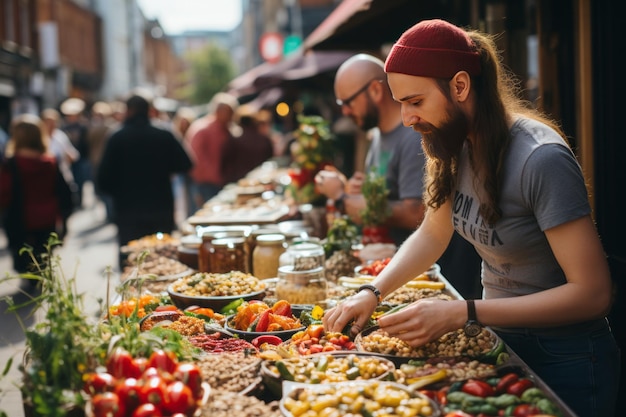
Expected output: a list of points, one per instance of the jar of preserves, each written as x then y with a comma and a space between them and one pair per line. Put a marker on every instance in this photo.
301, 287
266, 253
251, 240
204, 252
228, 254
304, 255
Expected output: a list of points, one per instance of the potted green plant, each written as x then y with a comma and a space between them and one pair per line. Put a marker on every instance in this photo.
377, 210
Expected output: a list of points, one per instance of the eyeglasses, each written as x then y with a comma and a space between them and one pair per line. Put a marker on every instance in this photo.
349, 100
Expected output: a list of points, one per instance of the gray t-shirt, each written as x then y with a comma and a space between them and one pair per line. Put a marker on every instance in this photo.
543, 187
399, 156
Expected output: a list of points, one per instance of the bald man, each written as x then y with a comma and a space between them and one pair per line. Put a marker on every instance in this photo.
396, 152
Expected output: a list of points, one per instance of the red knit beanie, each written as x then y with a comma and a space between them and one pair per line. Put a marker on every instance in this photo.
433, 48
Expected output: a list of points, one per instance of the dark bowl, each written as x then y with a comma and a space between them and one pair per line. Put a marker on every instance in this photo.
183, 301
283, 334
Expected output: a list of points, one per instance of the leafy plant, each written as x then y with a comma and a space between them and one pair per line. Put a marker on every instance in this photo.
341, 235
59, 347
375, 192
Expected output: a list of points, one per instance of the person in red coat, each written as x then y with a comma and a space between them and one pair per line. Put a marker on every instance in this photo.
35, 199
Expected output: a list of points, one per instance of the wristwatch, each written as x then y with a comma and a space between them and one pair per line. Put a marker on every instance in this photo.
472, 326
373, 289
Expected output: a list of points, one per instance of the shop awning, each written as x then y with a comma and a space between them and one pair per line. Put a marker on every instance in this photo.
367, 25
299, 66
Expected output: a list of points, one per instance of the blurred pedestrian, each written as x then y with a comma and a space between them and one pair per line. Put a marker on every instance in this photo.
76, 129
35, 199
208, 137
136, 169
181, 122
248, 150
101, 126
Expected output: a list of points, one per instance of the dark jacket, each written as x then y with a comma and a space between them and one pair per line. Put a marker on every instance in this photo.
136, 168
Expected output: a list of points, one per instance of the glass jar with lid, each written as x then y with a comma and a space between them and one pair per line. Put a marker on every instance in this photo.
266, 254
304, 255
228, 254
206, 247
301, 287
251, 239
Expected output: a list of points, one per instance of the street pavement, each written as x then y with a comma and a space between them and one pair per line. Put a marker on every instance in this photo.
89, 249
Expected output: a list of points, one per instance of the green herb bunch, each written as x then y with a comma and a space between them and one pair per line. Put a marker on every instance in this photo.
375, 192
341, 235
59, 346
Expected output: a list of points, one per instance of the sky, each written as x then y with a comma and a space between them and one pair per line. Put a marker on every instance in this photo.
177, 16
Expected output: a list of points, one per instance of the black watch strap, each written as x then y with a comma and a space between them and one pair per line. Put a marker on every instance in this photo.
373, 289
471, 311
472, 327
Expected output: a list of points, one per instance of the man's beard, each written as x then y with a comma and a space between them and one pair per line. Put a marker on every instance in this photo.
445, 142
370, 118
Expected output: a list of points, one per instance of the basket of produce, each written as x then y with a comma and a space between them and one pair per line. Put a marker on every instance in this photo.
215, 290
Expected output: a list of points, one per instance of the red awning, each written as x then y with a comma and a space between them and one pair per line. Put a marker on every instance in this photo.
366, 25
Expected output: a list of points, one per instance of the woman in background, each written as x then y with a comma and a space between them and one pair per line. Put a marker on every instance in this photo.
35, 199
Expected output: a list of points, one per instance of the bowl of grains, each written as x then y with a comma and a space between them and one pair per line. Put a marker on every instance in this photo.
215, 290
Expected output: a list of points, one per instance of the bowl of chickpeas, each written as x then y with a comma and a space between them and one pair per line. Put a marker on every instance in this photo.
215, 290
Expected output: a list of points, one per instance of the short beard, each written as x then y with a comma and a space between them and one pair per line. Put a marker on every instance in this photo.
370, 119
445, 142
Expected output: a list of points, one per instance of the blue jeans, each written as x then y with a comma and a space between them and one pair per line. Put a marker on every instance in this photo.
582, 369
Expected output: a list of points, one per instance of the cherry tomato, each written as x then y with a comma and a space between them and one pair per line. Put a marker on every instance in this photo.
129, 393
97, 382
180, 399
147, 410
190, 374
107, 404
142, 364
154, 391
162, 360
458, 413
121, 364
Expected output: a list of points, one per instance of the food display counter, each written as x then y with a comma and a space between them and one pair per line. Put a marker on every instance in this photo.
264, 354
258, 371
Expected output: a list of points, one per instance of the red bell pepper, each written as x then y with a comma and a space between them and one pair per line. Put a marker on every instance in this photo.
506, 381
264, 321
267, 338
517, 388
478, 388
282, 308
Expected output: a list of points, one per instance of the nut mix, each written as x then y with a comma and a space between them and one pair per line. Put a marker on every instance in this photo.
206, 284
232, 372
451, 344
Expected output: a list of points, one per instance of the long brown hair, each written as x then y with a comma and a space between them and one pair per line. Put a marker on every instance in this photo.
28, 132
497, 98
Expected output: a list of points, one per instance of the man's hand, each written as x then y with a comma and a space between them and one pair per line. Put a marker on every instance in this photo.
331, 183
355, 183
